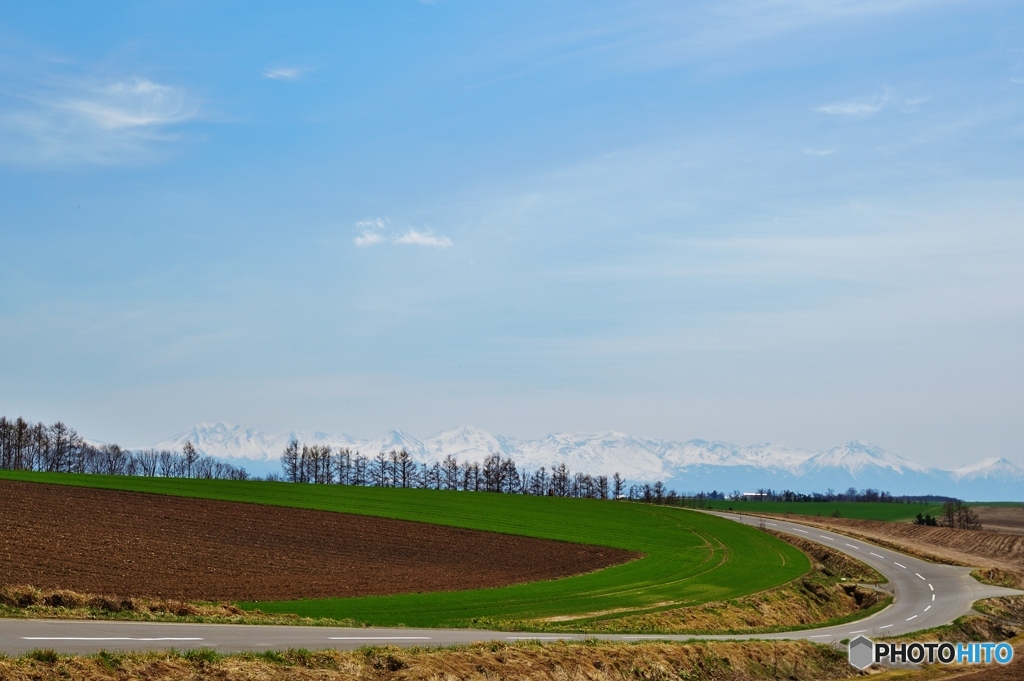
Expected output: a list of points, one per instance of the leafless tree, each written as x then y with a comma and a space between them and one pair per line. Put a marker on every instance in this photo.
148, 461
958, 515
450, 467
190, 456
379, 470
290, 462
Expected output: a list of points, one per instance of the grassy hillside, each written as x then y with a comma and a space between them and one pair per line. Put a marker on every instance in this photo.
689, 557
847, 509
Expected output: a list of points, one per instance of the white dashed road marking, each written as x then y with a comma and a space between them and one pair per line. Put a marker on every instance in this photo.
919, 575
876, 555
898, 565
912, 618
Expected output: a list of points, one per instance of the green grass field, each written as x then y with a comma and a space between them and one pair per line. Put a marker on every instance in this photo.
690, 558
847, 509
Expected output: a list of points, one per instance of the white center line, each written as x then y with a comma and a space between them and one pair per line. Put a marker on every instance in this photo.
824, 537
378, 638
854, 547
931, 587
933, 598
102, 638
796, 530
928, 608
898, 565
919, 575
912, 618
772, 524
821, 636
876, 555
885, 627
859, 631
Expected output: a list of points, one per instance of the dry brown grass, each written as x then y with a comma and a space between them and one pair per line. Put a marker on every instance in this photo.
1009, 609
712, 661
28, 601
968, 628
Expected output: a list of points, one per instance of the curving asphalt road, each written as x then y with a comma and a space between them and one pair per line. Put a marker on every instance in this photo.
926, 595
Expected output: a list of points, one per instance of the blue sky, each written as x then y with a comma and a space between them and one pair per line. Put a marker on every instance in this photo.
748, 220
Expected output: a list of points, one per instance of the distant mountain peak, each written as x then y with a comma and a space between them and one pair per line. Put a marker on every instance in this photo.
688, 466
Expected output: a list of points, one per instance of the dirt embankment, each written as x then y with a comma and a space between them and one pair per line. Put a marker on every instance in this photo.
129, 544
719, 661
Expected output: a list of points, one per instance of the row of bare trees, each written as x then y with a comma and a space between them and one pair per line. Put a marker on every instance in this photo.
852, 494
59, 449
958, 515
320, 464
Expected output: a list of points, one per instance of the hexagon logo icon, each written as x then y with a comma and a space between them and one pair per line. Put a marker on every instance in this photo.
862, 652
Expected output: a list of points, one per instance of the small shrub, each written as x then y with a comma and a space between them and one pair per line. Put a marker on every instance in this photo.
48, 656
109, 660
301, 657
272, 656
202, 655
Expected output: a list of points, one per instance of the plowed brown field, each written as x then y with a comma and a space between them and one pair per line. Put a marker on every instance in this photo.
131, 544
1001, 518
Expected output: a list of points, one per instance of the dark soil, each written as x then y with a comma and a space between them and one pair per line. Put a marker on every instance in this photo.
131, 544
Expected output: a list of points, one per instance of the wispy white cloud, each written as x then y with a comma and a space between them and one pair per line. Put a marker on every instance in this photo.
371, 232
368, 238
857, 108
911, 104
74, 123
657, 35
415, 237
284, 73
380, 230
818, 152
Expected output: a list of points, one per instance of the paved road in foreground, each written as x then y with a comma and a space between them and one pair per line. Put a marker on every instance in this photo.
926, 595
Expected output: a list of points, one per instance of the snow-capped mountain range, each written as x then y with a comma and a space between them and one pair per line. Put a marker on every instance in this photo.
689, 466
